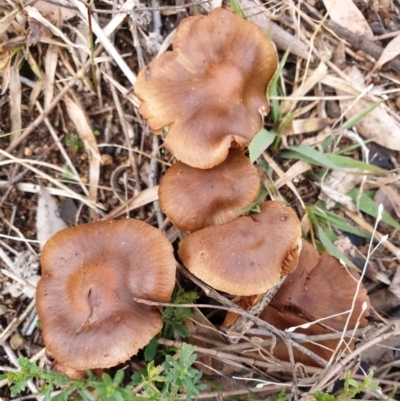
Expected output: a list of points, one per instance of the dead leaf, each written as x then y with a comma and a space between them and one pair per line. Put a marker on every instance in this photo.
37, 31
85, 132
53, 12
378, 125
346, 14
391, 51
48, 218
307, 125
336, 186
390, 198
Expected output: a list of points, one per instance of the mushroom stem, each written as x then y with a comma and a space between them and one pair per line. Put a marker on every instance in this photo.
242, 323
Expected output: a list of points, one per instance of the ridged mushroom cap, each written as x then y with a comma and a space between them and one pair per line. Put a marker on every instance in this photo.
247, 255
320, 287
194, 198
90, 275
210, 90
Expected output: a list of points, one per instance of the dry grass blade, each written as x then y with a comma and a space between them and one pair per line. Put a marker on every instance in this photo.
85, 132
103, 39
283, 177
7, 20
315, 77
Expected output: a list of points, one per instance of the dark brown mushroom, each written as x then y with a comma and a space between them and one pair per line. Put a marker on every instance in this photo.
194, 198
319, 290
210, 90
247, 255
322, 348
90, 275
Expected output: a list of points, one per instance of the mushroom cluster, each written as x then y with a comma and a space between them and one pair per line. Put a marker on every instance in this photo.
208, 96
90, 275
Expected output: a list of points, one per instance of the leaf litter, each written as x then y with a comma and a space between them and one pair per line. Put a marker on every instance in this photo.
330, 98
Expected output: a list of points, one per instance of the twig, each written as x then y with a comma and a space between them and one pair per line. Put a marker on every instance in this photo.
357, 41
153, 175
16, 322
232, 308
341, 365
241, 324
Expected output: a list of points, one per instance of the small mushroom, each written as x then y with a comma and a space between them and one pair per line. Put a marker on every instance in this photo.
210, 90
247, 255
90, 275
194, 199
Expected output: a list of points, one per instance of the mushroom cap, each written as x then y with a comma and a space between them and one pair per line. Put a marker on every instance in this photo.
247, 255
194, 199
318, 290
90, 275
210, 89
284, 320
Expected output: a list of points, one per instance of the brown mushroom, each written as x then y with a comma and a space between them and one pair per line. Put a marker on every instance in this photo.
319, 289
90, 275
194, 199
247, 255
322, 348
211, 89
323, 289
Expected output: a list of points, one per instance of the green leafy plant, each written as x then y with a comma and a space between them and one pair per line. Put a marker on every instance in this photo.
74, 142
163, 382
352, 388
178, 377
174, 317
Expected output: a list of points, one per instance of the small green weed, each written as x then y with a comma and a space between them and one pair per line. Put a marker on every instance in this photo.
352, 388
174, 318
178, 377
74, 142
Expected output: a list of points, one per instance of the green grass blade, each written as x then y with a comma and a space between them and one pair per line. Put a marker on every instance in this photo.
347, 162
329, 218
331, 248
274, 89
237, 8
260, 142
368, 206
315, 156
356, 119
328, 160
